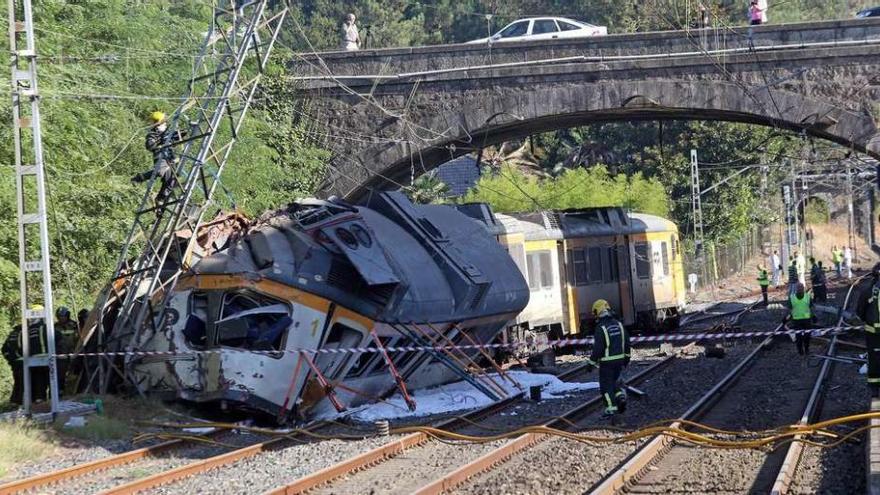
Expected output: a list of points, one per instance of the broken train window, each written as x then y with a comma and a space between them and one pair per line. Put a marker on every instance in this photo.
250, 320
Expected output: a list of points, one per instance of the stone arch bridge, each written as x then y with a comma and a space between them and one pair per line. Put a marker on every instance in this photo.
388, 114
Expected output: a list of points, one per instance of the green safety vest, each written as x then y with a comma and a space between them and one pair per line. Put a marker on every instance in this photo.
837, 256
762, 278
800, 308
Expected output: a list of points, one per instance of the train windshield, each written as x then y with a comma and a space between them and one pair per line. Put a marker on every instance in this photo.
241, 318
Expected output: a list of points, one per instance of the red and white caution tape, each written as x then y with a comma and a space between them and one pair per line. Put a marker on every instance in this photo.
552, 343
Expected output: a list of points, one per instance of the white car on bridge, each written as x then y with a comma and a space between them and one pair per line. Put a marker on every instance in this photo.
544, 28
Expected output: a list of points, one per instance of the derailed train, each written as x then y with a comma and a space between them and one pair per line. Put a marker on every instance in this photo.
329, 275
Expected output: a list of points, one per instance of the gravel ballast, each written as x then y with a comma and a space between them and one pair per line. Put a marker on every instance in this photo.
562, 466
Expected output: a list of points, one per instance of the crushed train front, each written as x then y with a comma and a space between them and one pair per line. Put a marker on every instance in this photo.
323, 276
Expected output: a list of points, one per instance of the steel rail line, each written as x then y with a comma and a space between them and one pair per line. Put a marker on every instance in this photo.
503, 453
524, 442
396, 447
233, 456
635, 465
795, 449
79, 470
637, 462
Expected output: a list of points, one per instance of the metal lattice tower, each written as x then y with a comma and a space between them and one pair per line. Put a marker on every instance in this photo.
33, 231
697, 204
226, 75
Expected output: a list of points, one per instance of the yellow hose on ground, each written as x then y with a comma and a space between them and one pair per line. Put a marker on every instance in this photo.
697, 433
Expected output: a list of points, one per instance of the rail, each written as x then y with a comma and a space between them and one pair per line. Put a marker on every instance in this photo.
649, 453
526, 441
79, 470
795, 449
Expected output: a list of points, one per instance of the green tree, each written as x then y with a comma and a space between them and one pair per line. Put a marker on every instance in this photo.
509, 190
428, 189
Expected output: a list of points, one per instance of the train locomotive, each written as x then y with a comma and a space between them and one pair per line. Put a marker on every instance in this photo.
329, 275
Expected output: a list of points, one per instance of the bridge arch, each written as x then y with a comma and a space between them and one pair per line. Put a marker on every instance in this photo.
499, 116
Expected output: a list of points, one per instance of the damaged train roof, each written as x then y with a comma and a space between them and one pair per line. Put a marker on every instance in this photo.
389, 260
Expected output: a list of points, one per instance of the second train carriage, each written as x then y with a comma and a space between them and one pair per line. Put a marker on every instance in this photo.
571, 258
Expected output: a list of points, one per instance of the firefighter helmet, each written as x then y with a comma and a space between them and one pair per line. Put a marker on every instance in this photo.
600, 306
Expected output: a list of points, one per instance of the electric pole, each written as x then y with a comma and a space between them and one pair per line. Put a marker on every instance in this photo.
33, 230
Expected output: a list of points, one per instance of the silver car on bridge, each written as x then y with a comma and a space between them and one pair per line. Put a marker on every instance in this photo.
544, 28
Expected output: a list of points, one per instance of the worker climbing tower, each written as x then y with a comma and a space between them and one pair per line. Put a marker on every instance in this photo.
30, 179
160, 243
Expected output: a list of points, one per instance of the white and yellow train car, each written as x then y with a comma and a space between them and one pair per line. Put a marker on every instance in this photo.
572, 258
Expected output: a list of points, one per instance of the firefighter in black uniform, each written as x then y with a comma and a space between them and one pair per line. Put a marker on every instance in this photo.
869, 311
611, 354
158, 142
66, 336
13, 352
817, 278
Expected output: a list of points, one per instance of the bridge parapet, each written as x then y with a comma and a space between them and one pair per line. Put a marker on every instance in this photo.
394, 61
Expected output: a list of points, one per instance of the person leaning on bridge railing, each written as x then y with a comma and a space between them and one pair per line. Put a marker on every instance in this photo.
351, 39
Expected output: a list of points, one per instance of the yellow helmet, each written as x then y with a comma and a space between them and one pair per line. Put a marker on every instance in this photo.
36, 307
599, 306
157, 117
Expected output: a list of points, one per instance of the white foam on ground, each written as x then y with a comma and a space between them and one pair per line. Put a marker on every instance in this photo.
461, 395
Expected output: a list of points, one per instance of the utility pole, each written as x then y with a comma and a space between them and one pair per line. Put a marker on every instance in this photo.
850, 214
33, 231
696, 202
697, 207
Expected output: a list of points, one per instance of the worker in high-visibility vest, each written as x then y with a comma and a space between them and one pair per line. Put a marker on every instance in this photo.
868, 310
764, 282
611, 353
800, 317
837, 258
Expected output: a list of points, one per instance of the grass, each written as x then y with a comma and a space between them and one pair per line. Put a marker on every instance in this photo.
20, 442
119, 421
98, 428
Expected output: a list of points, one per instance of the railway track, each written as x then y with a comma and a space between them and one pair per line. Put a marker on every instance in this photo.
354, 475
661, 464
95, 467
419, 451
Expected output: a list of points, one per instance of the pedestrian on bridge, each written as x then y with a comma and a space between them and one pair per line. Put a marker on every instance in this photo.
351, 39
756, 15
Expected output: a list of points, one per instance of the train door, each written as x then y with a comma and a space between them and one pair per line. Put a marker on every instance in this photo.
567, 292
338, 329
641, 273
622, 250
545, 301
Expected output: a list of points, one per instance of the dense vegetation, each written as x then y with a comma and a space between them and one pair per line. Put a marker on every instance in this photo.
140, 52
510, 190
